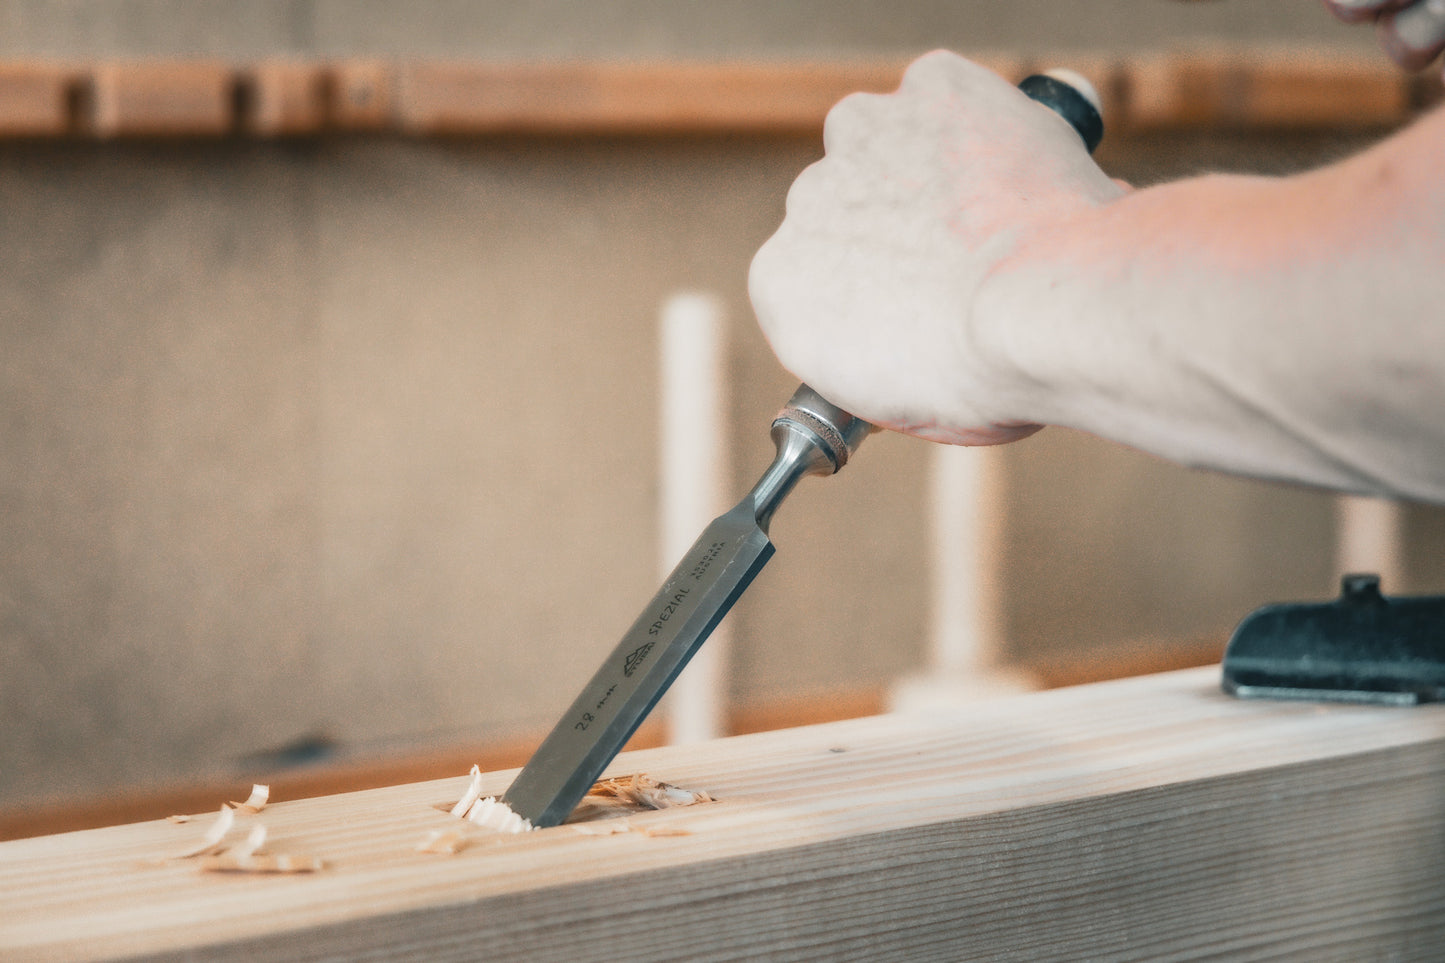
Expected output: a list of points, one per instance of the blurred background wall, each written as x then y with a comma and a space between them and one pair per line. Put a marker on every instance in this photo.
349, 444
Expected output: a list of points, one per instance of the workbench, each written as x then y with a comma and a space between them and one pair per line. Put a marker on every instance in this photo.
1141, 819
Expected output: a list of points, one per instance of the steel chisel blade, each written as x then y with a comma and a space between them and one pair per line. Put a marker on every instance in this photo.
693, 600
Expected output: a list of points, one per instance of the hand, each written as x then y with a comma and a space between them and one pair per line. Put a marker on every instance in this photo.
1411, 31
866, 290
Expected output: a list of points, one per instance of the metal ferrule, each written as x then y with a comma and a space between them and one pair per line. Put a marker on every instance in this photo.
813, 437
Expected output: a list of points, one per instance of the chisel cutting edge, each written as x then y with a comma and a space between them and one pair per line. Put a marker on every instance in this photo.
812, 437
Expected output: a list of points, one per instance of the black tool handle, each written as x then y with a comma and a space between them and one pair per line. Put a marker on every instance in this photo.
1072, 98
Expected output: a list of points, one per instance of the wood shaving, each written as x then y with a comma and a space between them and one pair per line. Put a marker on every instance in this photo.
246, 856
255, 839
215, 835
256, 801
492, 813
178, 819
595, 815
278, 863
469, 798
634, 793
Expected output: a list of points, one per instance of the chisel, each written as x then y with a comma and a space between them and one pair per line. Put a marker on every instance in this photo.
812, 437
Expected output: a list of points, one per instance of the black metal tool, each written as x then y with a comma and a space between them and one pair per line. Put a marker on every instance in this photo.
812, 437
1362, 647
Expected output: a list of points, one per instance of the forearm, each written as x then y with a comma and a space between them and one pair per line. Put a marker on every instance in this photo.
1290, 328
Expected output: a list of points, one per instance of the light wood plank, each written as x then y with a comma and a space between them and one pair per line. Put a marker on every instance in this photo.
571, 98
1258, 89
362, 95
283, 98
35, 100
1143, 819
1237, 88
162, 99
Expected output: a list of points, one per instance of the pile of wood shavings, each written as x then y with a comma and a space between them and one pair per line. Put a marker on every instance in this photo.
596, 815
489, 812
246, 856
636, 793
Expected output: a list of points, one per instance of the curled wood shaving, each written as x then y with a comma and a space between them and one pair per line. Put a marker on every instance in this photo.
256, 801
246, 856
490, 813
178, 819
278, 863
255, 839
469, 798
494, 814
212, 842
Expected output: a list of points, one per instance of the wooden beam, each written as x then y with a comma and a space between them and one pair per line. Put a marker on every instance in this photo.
593, 98
1246, 88
36, 100
162, 99
362, 94
1143, 819
1282, 90
280, 98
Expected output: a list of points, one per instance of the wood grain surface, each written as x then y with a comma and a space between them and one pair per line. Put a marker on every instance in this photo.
1142, 819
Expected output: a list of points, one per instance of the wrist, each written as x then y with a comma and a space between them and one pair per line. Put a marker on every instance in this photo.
1017, 327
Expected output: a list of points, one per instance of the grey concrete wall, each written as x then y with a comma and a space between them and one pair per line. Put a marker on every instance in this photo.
644, 29
358, 437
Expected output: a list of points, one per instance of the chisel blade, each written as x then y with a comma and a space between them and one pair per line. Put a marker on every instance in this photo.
692, 601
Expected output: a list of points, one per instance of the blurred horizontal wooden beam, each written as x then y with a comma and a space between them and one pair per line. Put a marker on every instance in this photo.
1152, 818
1250, 89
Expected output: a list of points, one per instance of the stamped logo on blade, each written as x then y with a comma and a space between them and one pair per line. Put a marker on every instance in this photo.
635, 658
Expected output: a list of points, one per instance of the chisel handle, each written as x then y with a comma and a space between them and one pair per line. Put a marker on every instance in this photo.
816, 437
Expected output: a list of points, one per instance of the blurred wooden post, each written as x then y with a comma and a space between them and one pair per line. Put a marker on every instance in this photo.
1367, 539
694, 466
966, 624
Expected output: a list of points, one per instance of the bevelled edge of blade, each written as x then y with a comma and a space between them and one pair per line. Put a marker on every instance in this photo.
567, 763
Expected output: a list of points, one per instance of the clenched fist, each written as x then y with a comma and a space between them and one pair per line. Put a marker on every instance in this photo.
867, 291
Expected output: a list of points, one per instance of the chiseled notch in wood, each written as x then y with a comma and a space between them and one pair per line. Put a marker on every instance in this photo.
37, 100
361, 95
162, 99
1150, 818
280, 98
1260, 89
